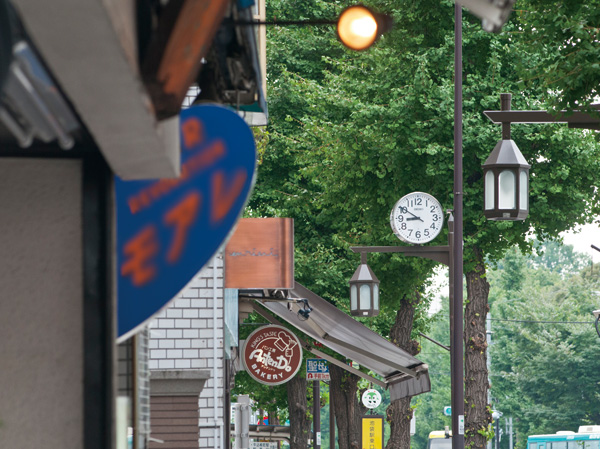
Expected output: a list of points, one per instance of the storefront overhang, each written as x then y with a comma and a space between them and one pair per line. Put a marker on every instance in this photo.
403, 374
90, 49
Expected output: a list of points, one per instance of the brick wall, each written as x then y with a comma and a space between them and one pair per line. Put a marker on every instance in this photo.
185, 336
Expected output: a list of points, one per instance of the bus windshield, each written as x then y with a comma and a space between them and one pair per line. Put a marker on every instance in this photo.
440, 443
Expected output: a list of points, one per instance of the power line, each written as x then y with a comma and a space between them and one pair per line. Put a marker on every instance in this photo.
544, 322
539, 321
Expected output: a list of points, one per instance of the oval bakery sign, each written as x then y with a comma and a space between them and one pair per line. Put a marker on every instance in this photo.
272, 355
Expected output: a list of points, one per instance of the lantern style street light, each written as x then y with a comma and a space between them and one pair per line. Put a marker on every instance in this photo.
364, 290
506, 177
506, 172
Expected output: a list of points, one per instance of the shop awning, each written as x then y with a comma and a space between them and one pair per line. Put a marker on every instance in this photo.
403, 374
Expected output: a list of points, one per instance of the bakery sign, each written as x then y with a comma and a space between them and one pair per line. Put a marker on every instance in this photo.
272, 355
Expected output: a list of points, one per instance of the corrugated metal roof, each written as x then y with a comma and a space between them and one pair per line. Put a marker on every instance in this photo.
404, 374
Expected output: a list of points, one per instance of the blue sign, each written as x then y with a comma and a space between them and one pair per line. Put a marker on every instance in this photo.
317, 369
168, 229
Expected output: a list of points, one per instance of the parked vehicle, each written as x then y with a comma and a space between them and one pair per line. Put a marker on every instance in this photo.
441, 439
587, 437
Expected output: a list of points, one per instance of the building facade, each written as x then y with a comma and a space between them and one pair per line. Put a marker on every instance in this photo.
186, 346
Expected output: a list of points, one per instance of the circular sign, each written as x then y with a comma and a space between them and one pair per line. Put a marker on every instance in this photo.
371, 398
272, 355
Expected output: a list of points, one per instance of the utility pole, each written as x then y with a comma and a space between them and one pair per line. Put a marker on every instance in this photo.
316, 414
488, 361
497, 433
242, 422
331, 423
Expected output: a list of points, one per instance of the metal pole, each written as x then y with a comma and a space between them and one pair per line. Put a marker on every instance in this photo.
316, 414
497, 434
331, 422
451, 307
458, 403
488, 332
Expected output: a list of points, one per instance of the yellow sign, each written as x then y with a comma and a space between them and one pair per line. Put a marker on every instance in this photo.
372, 432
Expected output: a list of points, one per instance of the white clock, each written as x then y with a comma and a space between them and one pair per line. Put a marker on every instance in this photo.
417, 218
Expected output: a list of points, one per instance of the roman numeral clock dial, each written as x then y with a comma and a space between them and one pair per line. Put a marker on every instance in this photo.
417, 218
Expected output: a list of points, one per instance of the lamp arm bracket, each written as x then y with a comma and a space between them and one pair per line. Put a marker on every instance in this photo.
439, 254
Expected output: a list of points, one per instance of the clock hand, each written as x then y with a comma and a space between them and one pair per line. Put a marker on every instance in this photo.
413, 215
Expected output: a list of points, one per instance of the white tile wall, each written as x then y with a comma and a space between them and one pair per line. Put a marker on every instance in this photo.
182, 337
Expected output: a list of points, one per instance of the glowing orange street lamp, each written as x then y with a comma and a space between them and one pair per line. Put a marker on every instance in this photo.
358, 27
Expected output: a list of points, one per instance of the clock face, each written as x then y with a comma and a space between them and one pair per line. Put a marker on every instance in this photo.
417, 218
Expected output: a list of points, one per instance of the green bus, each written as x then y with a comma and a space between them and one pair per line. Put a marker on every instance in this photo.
588, 437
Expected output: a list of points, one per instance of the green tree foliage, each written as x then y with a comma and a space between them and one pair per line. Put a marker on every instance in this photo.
429, 408
560, 258
558, 48
350, 133
545, 368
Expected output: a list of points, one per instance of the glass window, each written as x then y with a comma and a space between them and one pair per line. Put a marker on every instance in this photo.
594, 444
523, 191
489, 190
365, 297
532, 445
559, 445
575, 444
353, 297
440, 443
506, 190
376, 297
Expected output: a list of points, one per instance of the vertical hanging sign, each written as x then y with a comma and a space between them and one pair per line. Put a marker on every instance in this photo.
372, 432
168, 229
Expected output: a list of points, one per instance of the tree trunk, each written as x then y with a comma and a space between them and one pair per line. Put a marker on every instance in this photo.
343, 389
477, 415
399, 413
298, 408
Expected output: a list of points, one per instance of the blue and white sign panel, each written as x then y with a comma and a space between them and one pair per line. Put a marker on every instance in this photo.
168, 229
317, 369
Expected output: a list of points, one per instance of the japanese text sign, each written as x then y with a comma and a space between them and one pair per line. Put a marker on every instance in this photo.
168, 229
372, 432
317, 369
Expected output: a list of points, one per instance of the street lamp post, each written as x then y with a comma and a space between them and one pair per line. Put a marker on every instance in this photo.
447, 256
456, 283
451, 255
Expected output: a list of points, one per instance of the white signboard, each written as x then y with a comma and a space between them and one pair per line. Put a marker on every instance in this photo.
263, 444
371, 398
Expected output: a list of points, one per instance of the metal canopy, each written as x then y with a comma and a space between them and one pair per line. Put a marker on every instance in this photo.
404, 374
